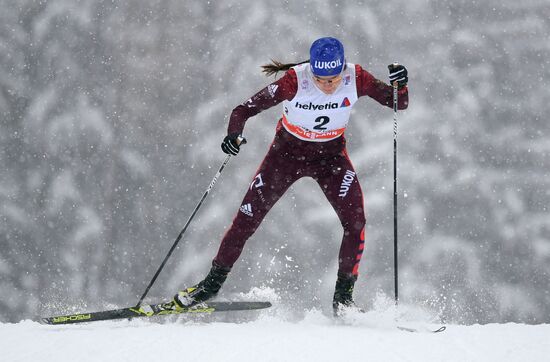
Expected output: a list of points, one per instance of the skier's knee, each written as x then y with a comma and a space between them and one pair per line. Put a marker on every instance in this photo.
354, 226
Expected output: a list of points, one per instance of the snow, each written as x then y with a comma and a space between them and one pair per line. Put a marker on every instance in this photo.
280, 333
315, 338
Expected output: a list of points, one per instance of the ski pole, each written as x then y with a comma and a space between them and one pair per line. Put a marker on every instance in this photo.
240, 140
395, 253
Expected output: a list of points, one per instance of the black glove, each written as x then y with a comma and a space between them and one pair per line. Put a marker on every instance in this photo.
232, 143
398, 73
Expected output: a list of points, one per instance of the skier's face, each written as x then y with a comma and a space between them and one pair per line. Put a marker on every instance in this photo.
328, 84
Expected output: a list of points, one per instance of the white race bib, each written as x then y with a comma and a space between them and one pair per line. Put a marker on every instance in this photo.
315, 116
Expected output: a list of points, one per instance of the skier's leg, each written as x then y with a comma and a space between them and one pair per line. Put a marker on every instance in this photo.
273, 178
343, 191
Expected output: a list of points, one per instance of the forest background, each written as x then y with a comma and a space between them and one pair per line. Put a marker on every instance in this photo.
112, 113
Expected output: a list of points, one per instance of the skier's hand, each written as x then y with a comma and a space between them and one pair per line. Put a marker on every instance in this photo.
398, 73
232, 143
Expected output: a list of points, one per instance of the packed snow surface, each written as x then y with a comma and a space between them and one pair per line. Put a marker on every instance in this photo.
272, 335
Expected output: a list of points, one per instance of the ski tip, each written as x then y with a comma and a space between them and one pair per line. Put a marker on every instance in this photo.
424, 330
42, 320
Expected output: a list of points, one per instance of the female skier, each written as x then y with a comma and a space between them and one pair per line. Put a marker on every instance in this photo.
317, 97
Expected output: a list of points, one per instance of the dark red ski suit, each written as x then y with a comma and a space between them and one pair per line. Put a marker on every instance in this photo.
290, 158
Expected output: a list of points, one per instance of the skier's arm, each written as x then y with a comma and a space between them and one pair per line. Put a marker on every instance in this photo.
368, 85
283, 88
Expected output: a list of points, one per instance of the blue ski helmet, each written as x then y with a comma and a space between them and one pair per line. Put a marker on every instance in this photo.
326, 57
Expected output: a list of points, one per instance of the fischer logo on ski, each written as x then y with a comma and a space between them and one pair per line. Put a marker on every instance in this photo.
71, 318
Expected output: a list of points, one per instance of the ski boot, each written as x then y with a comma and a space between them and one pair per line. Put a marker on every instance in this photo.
203, 291
343, 291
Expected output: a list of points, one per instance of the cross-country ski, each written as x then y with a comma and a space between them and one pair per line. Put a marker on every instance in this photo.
153, 310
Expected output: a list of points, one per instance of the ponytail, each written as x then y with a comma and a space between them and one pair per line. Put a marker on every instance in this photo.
276, 67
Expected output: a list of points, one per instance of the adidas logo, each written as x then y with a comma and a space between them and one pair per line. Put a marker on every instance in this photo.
272, 89
247, 210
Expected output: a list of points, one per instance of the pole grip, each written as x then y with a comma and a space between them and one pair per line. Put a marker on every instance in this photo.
241, 140
390, 68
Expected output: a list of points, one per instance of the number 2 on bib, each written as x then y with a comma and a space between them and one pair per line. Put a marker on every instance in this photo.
322, 120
